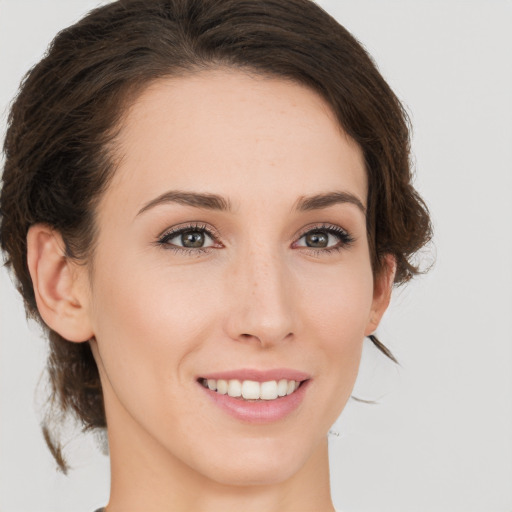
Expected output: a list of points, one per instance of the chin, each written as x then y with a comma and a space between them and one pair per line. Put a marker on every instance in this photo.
271, 464
248, 475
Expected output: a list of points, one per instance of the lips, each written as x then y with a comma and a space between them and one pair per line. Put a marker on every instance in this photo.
258, 375
256, 396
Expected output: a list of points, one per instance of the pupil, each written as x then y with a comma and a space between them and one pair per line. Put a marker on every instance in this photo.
192, 239
316, 239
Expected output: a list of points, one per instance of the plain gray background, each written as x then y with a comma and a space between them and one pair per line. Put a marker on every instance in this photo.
440, 438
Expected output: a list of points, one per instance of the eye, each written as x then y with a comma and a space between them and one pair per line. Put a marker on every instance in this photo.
199, 238
325, 238
189, 238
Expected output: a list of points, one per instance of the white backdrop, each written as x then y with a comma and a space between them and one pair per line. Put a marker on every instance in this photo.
440, 438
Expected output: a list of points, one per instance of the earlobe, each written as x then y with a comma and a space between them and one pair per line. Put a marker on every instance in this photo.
58, 284
383, 285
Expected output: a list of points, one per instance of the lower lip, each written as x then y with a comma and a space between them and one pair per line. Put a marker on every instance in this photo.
261, 411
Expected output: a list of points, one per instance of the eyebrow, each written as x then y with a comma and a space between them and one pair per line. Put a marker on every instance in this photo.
220, 203
195, 199
319, 201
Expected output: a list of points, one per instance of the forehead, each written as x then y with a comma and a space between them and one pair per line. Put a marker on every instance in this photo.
236, 134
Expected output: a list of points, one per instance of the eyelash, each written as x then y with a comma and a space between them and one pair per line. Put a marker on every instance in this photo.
195, 251
345, 239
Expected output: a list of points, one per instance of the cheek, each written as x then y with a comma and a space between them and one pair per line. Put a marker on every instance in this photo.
338, 301
149, 316
147, 325
337, 313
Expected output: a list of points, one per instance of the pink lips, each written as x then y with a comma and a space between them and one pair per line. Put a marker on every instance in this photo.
258, 375
259, 411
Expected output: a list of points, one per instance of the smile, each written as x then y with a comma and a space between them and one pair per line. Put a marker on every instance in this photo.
250, 389
256, 396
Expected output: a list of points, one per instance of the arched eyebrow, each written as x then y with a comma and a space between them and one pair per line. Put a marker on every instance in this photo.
320, 201
220, 203
195, 199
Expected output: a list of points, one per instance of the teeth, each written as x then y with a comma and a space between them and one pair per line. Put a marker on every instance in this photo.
252, 390
234, 388
268, 390
282, 387
222, 386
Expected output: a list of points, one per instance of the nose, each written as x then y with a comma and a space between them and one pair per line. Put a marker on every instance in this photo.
263, 302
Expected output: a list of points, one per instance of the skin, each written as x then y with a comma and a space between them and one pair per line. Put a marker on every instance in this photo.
259, 297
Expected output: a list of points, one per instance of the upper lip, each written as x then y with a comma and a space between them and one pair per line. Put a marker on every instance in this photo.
258, 375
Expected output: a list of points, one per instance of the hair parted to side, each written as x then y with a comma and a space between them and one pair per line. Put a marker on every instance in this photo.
63, 123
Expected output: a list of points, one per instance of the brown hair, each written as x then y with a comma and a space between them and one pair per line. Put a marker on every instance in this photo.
63, 122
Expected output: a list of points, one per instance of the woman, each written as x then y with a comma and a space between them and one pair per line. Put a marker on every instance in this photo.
207, 204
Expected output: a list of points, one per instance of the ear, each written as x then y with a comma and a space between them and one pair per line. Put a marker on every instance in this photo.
60, 285
382, 287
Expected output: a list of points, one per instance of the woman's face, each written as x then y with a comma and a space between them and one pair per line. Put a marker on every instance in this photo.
232, 246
